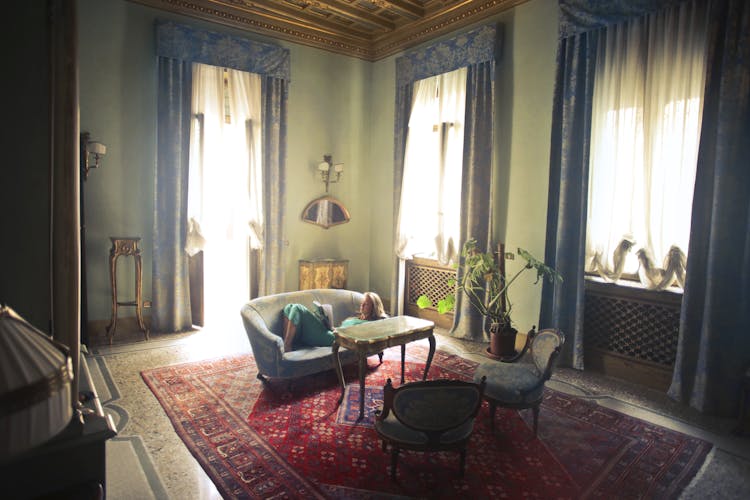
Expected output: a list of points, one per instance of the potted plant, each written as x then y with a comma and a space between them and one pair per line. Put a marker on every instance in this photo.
485, 285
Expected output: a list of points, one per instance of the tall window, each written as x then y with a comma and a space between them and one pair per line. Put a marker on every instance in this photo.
647, 106
431, 189
225, 184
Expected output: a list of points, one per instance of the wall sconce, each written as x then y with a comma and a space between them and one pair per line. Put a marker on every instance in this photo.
93, 148
329, 172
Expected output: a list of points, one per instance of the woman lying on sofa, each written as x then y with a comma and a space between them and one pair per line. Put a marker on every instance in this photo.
312, 327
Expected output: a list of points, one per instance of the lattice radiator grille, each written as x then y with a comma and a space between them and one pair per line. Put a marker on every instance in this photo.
427, 280
644, 330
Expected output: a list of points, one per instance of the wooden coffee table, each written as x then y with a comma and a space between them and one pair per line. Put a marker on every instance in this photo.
375, 336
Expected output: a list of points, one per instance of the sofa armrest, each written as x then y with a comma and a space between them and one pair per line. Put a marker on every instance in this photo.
268, 348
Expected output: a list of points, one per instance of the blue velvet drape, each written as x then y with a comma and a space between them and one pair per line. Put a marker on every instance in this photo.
476, 184
476, 50
562, 302
170, 286
274, 95
714, 345
177, 47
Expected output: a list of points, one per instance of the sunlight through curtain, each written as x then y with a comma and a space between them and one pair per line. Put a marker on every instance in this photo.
225, 204
646, 118
428, 222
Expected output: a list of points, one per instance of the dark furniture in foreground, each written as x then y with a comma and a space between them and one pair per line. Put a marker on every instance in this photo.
433, 415
71, 465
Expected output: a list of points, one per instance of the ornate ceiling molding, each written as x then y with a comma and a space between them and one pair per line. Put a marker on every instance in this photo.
365, 29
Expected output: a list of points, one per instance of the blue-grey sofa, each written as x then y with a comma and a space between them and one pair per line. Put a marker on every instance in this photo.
264, 325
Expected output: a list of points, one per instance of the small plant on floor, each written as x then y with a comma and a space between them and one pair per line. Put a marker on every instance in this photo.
485, 285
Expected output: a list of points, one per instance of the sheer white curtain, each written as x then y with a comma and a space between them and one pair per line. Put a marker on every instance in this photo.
646, 118
225, 200
431, 191
428, 223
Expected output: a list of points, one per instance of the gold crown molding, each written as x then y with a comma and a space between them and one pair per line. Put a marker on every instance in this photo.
284, 31
432, 28
342, 39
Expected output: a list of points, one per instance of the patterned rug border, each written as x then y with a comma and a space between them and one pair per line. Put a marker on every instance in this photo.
304, 488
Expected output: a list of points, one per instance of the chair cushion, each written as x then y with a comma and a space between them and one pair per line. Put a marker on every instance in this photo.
392, 429
509, 382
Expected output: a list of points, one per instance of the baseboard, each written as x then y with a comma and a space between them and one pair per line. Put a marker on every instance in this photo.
127, 327
641, 372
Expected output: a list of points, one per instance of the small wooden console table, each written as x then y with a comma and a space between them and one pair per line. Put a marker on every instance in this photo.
125, 246
374, 337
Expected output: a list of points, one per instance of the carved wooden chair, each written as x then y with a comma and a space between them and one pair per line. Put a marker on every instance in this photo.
521, 385
433, 415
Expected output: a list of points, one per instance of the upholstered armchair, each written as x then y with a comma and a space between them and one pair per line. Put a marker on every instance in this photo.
433, 415
521, 385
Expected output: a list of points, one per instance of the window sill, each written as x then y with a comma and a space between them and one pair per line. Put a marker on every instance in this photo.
633, 290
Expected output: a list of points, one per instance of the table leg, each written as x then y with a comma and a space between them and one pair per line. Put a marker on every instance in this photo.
138, 292
403, 359
431, 338
362, 366
339, 370
113, 283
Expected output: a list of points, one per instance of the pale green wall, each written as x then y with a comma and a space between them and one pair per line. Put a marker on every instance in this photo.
380, 151
327, 101
338, 105
530, 59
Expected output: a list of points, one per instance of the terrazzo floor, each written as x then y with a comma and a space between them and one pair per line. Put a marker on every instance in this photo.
148, 460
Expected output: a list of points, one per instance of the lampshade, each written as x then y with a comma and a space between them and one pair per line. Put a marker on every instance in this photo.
35, 378
96, 148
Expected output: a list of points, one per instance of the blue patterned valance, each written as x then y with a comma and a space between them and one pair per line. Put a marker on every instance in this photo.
179, 41
579, 16
469, 48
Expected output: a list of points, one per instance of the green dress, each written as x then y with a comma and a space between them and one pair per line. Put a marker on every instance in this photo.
310, 328
353, 321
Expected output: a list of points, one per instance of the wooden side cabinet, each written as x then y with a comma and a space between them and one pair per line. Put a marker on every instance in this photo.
323, 273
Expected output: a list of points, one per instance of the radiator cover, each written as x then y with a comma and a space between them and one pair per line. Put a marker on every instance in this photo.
630, 332
427, 277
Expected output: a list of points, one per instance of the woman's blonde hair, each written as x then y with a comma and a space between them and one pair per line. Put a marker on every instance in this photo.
378, 311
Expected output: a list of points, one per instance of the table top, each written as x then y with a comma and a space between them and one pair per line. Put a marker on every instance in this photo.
389, 328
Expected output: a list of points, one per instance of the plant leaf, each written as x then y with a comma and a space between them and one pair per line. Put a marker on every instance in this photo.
423, 302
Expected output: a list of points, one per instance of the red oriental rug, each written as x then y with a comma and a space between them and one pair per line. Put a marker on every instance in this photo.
257, 441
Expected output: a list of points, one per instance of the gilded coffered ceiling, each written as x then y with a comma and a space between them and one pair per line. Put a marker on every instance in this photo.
367, 29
